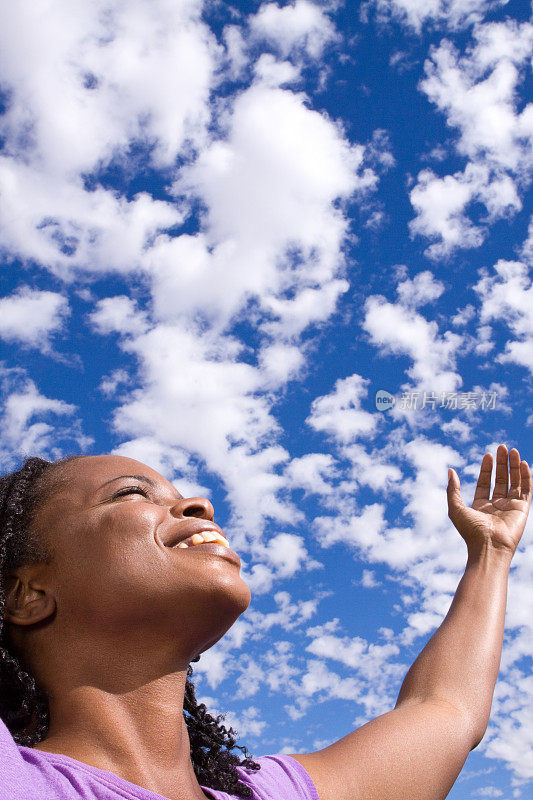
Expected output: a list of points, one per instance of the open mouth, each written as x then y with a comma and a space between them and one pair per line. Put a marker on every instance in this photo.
208, 542
212, 546
203, 537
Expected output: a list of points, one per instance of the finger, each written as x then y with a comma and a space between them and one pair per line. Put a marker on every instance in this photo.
501, 485
453, 492
525, 481
514, 471
483, 482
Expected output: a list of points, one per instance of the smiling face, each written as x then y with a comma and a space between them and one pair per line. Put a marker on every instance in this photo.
113, 525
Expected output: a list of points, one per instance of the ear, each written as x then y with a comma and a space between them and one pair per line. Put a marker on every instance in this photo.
28, 598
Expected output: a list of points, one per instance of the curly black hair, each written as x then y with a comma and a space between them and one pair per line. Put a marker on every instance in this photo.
24, 706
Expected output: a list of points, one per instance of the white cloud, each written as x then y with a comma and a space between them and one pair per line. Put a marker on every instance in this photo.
417, 291
220, 661
280, 362
88, 79
510, 733
271, 227
118, 315
319, 683
371, 468
441, 203
246, 724
273, 74
271, 243
30, 316
110, 383
85, 82
368, 532
55, 222
281, 557
428, 552
478, 92
236, 55
355, 652
527, 248
286, 552
219, 415
280, 671
459, 429
301, 26
368, 579
310, 305
506, 297
313, 472
320, 680
290, 613
464, 315
31, 423
340, 414
454, 14
402, 331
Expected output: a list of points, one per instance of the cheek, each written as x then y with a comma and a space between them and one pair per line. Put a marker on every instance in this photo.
118, 576
144, 584
116, 555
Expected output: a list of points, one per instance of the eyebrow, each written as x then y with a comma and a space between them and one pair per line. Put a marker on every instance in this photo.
137, 478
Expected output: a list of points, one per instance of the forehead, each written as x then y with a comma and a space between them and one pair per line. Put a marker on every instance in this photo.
86, 475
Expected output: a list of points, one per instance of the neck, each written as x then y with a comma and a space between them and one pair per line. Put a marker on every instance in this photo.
138, 734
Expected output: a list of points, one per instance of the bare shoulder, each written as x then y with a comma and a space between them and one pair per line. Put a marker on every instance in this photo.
413, 752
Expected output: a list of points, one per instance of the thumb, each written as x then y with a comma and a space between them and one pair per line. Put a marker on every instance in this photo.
453, 491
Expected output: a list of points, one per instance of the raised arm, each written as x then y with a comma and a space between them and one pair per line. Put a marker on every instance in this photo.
416, 751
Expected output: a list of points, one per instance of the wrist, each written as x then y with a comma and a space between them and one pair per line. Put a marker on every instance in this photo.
490, 554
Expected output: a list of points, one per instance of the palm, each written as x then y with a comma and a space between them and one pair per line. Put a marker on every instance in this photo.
498, 520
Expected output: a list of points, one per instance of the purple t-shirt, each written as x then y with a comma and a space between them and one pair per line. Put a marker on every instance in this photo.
29, 774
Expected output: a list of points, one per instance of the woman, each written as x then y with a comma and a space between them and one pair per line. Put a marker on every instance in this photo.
107, 597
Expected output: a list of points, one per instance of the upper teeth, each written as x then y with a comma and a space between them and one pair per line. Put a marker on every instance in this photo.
204, 536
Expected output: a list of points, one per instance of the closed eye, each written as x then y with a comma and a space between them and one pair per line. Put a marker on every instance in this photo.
130, 490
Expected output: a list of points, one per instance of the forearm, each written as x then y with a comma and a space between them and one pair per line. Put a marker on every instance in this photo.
460, 663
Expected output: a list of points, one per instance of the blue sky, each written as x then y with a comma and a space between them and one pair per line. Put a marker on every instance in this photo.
225, 227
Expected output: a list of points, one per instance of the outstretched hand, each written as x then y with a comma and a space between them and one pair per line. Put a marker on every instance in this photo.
496, 521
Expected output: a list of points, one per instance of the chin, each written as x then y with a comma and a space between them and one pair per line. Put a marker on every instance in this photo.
229, 607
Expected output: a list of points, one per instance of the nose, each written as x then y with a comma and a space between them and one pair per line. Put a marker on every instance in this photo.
193, 507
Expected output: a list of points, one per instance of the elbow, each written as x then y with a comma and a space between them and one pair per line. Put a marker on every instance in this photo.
479, 728
470, 727
474, 729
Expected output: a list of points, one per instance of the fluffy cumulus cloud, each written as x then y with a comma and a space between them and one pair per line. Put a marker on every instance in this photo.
33, 424
340, 414
80, 97
417, 291
421, 542
313, 472
31, 317
117, 315
302, 26
271, 226
506, 295
400, 330
478, 93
